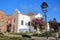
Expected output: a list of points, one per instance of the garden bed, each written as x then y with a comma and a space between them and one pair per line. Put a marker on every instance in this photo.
58, 35
20, 33
12, 38
49, 34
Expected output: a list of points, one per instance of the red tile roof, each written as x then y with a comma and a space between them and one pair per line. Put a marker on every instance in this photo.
30, 14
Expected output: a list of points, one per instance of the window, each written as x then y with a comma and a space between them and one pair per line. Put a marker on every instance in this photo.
8, 27
21, 22
28, 23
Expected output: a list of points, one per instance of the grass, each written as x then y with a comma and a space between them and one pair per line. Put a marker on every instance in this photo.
8, 38
58, 35
49, 34
2, 37
43, 34
12, 38
20, 33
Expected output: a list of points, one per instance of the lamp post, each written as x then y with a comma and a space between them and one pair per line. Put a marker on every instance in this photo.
44, 9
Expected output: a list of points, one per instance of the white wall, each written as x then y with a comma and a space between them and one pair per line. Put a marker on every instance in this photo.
15, 16
38, 15
25, 19
19, 16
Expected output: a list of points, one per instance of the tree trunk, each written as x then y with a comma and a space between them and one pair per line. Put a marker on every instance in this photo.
38, 30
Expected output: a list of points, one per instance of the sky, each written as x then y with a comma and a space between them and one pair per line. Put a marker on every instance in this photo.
26, 6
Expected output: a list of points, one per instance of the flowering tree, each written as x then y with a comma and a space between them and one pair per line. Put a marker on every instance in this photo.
54, 24
37, 24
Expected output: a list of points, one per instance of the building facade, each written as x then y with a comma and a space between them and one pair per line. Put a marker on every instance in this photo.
22, 22
9, 23
3, 22
18, 22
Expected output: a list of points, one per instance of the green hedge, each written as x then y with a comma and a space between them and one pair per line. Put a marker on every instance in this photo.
58, 35
49, 34
43, 34
12, 38
8, 38
20, 33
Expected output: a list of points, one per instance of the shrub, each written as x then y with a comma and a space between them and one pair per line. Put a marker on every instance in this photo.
58, 35
12, 38
43, 34
20, 33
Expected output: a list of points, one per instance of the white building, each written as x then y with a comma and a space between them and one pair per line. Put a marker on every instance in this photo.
22, 22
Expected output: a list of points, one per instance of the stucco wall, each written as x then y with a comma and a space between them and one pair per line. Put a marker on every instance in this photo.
25, 26
18, 16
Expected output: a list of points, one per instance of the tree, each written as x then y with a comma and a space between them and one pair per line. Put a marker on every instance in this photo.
54, 24
37, 24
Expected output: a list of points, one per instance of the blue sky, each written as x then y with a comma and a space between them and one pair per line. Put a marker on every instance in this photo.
26, 6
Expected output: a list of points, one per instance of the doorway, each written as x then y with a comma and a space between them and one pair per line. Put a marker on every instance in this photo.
9, 28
